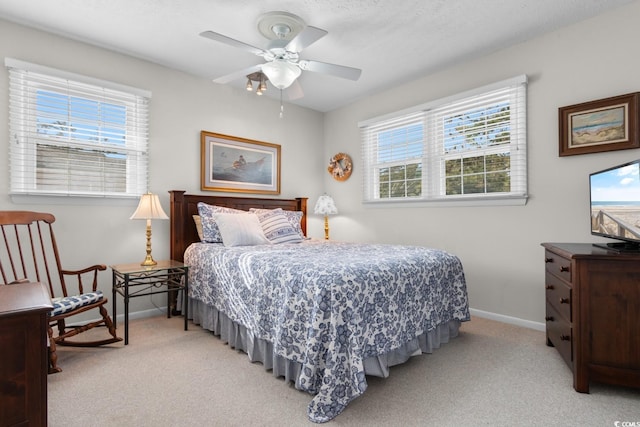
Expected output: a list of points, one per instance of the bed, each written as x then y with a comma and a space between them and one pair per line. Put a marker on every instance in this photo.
321, 314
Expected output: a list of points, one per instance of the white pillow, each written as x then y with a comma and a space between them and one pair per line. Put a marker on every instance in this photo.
210, 231
240, 229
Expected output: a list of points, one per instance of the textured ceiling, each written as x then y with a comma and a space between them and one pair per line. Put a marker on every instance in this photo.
391, 41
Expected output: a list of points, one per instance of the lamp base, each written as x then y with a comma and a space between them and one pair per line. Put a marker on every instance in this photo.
148, 261
326, 227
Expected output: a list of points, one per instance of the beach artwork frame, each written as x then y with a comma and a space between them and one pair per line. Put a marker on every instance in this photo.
597, 126
238, 165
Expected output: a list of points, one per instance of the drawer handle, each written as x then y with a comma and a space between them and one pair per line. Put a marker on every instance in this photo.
549, 319
564, 269
564, 300
548, 260
565, 338
549, 287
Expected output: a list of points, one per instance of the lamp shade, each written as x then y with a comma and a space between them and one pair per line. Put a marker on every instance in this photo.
281, 73
325, 206
149, 208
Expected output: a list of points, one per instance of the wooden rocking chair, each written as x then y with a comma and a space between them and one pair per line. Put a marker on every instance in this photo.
29, 254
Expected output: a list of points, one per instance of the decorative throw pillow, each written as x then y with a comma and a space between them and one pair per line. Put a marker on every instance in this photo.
210, 231
240, 229
294, 217
277, 227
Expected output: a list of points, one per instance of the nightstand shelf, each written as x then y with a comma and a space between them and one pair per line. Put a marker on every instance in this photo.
135, 280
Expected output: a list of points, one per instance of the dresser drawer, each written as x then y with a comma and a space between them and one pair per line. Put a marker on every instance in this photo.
558, 294
560, 334
557, 265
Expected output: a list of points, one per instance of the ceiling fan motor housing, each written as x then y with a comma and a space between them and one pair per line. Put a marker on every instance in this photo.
280, 25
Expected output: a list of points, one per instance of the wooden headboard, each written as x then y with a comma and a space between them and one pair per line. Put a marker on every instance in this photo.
184, 206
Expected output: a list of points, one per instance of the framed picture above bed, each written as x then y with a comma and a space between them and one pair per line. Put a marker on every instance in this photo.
603, 125
239, 165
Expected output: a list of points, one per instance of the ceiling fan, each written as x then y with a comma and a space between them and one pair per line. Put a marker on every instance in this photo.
289, 35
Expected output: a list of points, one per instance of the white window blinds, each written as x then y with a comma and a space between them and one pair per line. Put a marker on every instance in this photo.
471, 146
393, 153
72, 135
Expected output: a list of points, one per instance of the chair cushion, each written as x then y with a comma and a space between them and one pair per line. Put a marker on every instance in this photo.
67, 304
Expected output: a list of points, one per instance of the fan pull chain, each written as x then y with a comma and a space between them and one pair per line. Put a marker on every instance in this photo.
281, 105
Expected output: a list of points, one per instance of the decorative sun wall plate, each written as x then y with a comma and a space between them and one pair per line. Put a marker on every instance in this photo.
340, 167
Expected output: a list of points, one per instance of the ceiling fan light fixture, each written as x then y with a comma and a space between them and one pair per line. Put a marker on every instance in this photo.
249, 85
281, 73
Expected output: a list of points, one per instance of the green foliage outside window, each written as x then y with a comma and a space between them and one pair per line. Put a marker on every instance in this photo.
401, 181
479, 174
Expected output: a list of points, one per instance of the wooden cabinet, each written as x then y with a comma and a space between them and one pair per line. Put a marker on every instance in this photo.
24, 363
593, 312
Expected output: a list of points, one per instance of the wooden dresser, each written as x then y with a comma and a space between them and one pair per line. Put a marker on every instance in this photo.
24, 358
593, 312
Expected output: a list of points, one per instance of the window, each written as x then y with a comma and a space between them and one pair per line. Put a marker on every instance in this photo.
72, 135
466, 147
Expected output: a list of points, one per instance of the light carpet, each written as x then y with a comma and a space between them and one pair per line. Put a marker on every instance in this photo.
492, 374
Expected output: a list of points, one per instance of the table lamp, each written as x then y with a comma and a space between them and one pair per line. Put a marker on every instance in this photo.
149, 208
325, 206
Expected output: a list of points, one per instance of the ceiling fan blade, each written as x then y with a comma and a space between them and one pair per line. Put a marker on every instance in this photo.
306, 37
333, 69
237, 74
295, 91
233, 42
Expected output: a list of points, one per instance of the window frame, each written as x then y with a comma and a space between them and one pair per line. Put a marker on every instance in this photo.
28, 83
434, 155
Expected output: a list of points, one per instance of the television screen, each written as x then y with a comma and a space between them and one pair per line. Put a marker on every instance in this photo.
615, 205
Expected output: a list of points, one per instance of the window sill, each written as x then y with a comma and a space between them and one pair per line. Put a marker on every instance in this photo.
63, 199
460, 202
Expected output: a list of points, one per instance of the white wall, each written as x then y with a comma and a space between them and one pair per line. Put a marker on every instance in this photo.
181, 106
500, 246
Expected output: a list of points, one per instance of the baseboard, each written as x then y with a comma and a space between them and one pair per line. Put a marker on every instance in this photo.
152, 312
508, 319
538, 326
474, 312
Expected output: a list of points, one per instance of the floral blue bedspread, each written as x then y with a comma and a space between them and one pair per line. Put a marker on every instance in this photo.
330, 305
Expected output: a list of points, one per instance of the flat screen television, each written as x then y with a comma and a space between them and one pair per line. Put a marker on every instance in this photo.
615, 206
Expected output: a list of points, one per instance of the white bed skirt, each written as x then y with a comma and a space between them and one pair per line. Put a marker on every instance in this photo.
259, 350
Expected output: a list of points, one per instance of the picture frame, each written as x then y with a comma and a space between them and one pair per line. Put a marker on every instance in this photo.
238, 165
597, 126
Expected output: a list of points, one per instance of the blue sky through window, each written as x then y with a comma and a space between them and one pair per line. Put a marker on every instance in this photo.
400, 143
462, 131
80, 119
